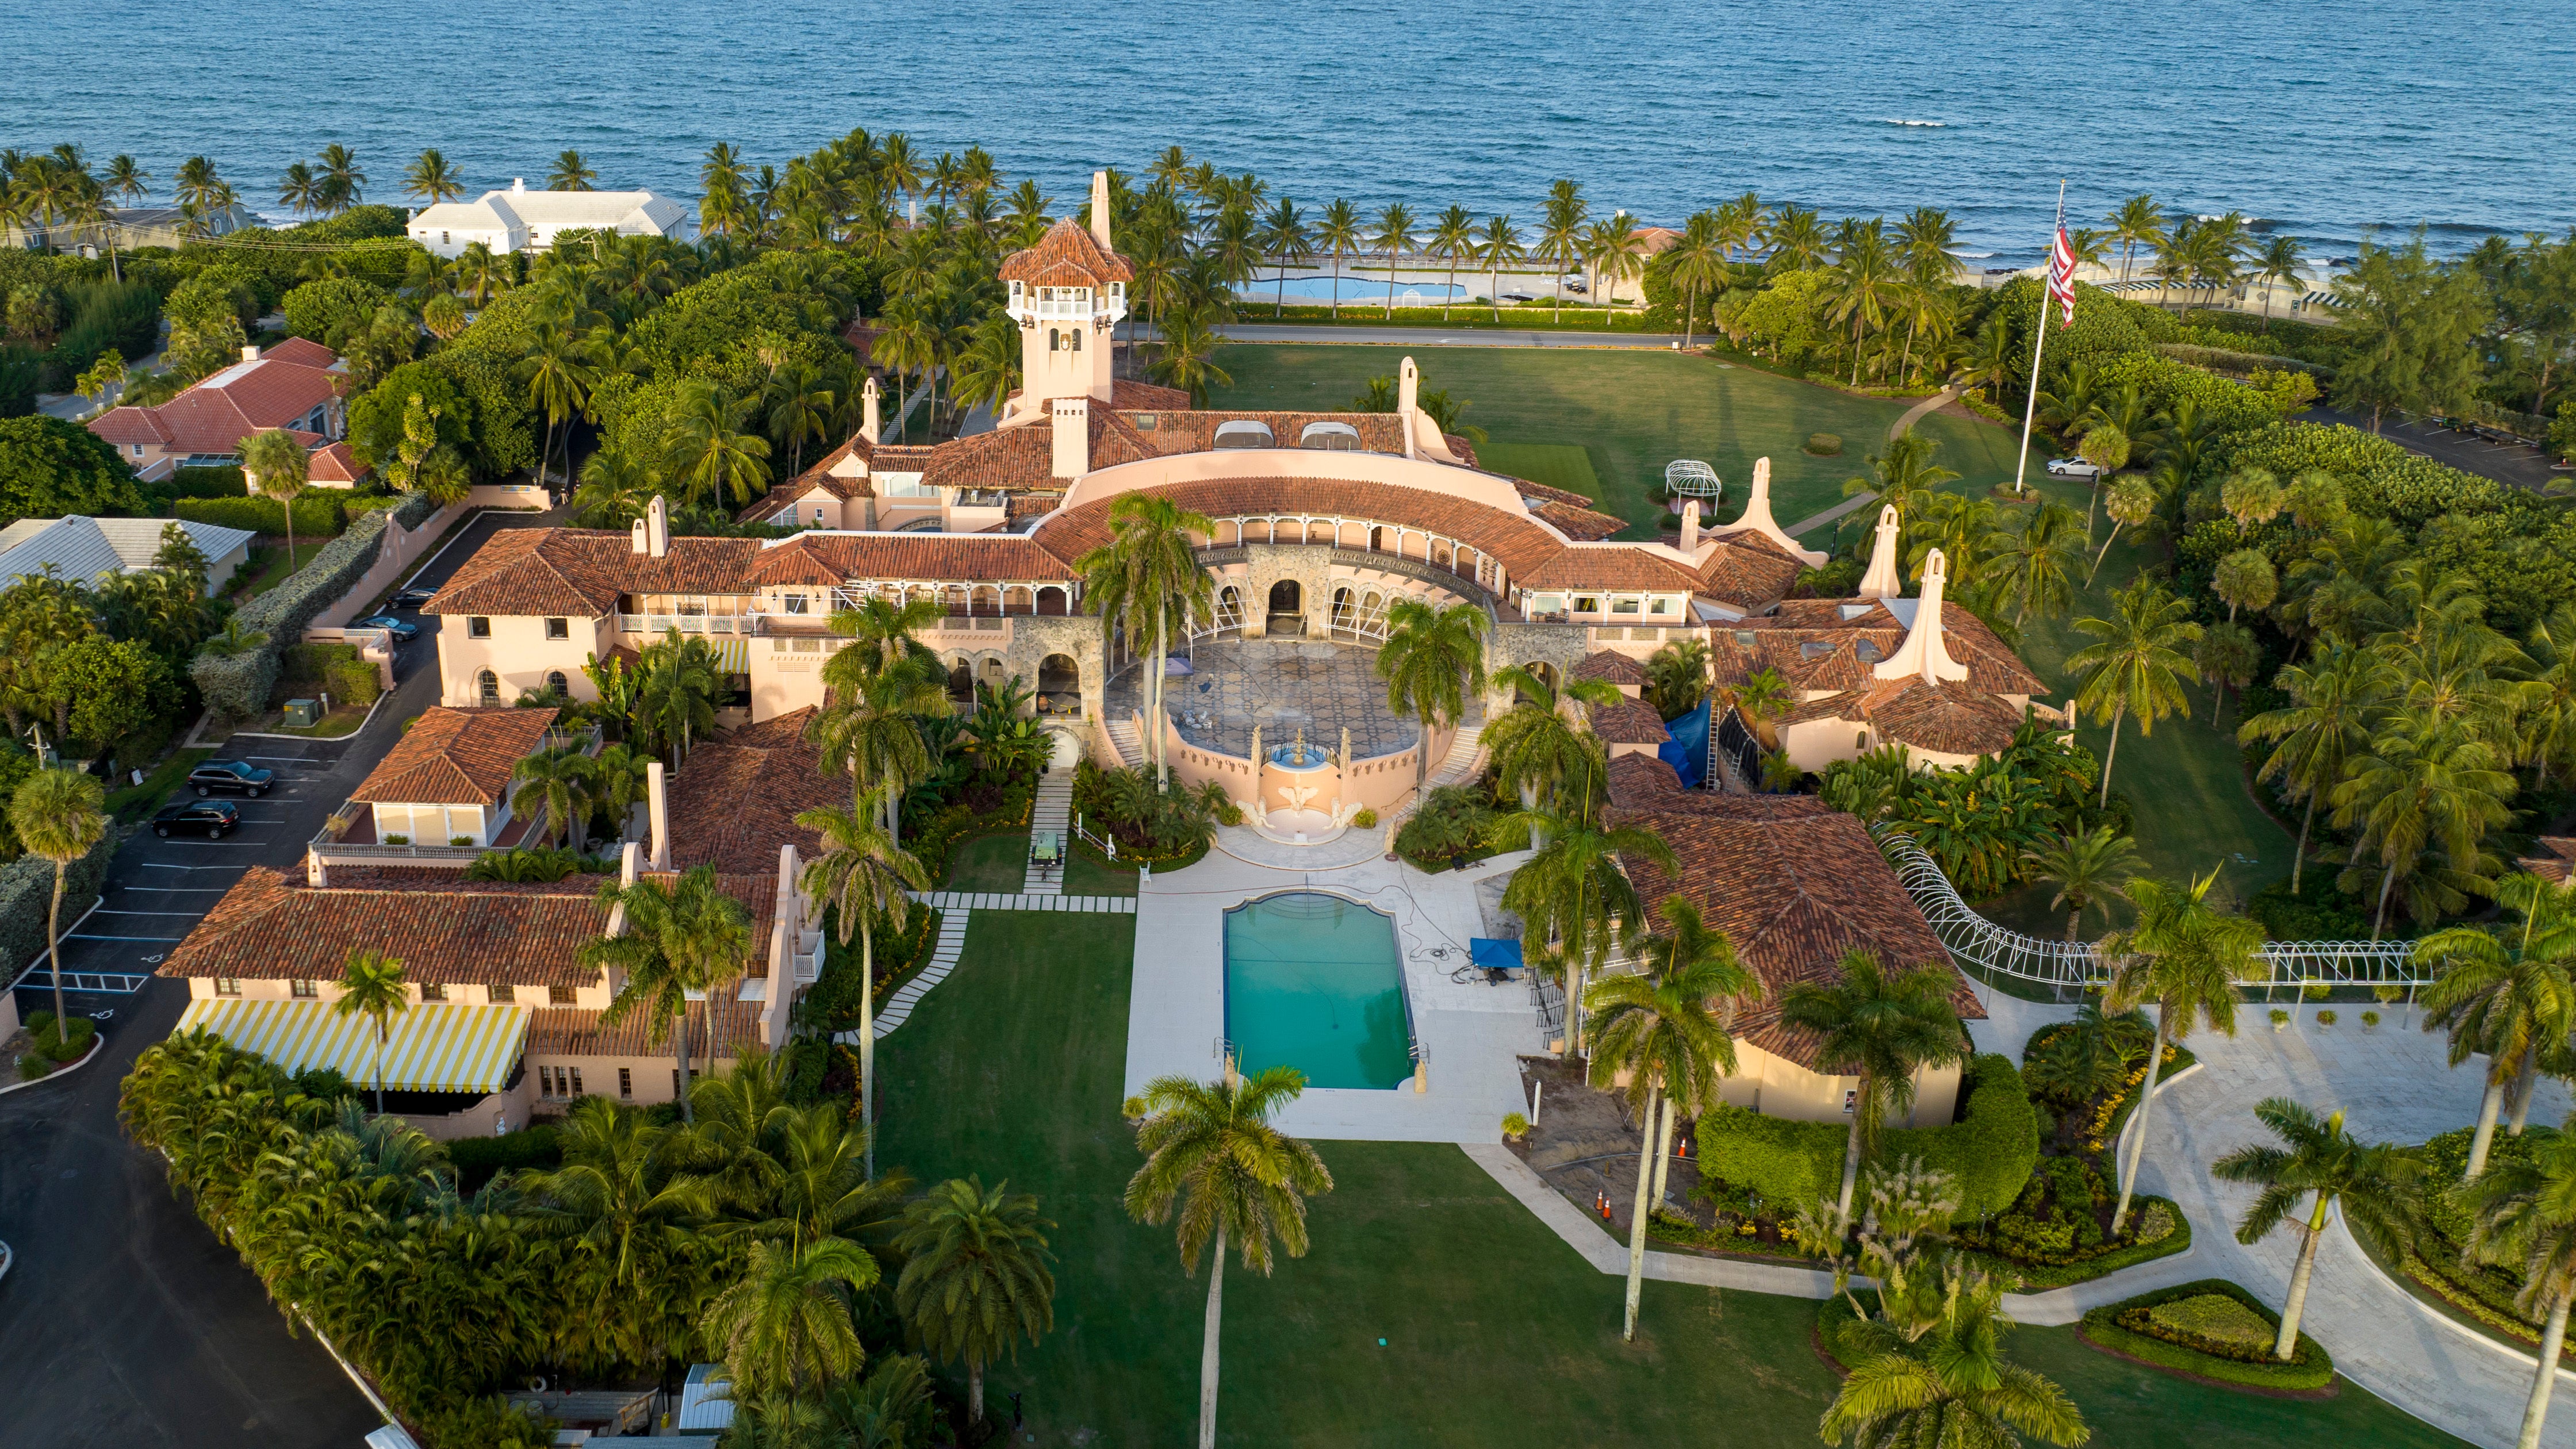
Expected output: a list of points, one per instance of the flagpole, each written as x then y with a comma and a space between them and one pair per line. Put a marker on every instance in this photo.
2030, 407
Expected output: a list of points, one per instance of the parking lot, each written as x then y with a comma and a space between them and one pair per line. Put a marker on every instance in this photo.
124, 1320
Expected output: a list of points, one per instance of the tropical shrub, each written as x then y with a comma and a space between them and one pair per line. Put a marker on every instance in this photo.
2212, 1328
1452, 821
27, 892
319, 513
1789, 1166
50, 468
339, 669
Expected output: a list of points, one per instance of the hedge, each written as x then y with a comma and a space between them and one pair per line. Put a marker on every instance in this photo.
207, 483
27, 892
478, 1160
317, 515
2035, 1276
2310, 1370
339, 669
237, 687
1794, 1164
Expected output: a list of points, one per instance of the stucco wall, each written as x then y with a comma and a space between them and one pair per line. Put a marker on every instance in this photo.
1778, 1087
520, 654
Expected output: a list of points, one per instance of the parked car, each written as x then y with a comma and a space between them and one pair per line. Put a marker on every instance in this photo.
230, 775
2072, 468
402, 632
1518, 297
212, 819
414, 598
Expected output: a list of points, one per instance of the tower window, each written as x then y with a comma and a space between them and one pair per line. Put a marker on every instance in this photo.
1076, 335
1055, 340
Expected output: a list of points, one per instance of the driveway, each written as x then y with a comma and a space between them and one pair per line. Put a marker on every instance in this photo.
2516, 463
2394, 1085
124, 1321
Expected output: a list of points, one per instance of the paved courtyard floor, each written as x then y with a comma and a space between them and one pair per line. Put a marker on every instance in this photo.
1472, 1033
1281, 685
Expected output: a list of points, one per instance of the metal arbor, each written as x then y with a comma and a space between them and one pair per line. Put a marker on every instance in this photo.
1691, 478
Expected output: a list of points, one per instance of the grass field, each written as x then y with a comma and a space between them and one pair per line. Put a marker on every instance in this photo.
1433, 1308
988, 863
1631, 412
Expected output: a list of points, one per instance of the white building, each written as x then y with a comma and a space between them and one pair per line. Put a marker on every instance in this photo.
520, 220
89, 548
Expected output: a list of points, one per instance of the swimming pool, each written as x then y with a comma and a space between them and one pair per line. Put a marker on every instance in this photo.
1313, 982
1356, 290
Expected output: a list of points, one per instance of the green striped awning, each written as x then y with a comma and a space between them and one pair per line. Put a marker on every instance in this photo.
433, 1047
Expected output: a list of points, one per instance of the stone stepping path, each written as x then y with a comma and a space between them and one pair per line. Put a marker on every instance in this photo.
898, 1007
1051, 810
1004, 901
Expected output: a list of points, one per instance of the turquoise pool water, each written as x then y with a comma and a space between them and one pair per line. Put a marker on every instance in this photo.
1313, 982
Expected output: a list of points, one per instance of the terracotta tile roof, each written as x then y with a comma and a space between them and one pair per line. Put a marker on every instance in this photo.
269, 927
1537, 491
1608, 566
300, 349
719, 1027
1132, 395
456, 756
334, 463
1952, 719
1460, 448
1020, 456
1583, 525
1614, 668
1640, 781
1629, 722
242, 399
1794, 884
576, 571
816, 475
737, 799
2552, 858
1066, 257
1518, 542
835, 557
1748, 571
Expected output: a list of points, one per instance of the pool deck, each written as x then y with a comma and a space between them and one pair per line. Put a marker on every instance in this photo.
1473, 1032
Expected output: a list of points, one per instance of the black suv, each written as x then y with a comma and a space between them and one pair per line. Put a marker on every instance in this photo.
212, 819
215, 775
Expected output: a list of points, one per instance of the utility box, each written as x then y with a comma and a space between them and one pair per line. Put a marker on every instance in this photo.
303, 713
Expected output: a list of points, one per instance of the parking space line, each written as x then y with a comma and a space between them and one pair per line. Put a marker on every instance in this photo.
79, 937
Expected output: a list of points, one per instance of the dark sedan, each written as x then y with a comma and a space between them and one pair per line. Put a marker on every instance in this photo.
213, 819
231, 776
414, 598
405, 633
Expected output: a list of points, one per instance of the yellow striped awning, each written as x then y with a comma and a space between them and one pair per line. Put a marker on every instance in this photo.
433, 1047
733, 656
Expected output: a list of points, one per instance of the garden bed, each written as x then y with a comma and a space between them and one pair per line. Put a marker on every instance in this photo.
2479, 1299
2199, 1330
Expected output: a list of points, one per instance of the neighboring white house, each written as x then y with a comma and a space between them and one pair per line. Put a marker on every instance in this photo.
84, 548
520, 220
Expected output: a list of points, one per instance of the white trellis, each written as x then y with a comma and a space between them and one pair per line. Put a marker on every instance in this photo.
2075, 964
1691, 478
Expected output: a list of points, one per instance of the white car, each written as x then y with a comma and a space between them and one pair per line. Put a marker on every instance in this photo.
2072, 468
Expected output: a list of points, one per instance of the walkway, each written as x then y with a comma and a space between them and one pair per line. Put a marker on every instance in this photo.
999, 901
898, 1007
1895, 430
1051, 810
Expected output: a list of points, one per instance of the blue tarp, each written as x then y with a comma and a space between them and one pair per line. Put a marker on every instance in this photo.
1687, 750
1491, 954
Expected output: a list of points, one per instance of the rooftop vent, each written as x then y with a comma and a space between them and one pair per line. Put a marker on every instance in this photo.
1244, 433
1330, 437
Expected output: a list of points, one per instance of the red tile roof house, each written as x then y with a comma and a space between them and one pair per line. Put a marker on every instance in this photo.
298, 385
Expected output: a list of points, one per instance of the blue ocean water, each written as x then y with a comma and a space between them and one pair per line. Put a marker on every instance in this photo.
2327, 119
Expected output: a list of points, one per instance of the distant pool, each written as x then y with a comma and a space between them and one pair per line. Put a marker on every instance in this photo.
1354, 289
1313, 982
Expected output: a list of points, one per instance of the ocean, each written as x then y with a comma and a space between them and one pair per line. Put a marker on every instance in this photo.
2328, 121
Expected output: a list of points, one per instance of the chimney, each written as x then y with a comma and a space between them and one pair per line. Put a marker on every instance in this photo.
1100, 209
1408, 387
869, 424
1072, 420
635, 536
1690, 525
629, 865
250, 352
518, 186
1923, 653
1884, 580
659, 800
657, 527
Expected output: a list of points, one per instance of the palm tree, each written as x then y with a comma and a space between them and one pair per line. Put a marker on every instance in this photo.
2136, 220
1698, 264
1539, 753
343, 184
125, 177
975, 1279
431, 179
784, 1327
1394, 237
1618, 253
2187, 958
2279, 261
1665, 1032
1433, 661
1950, 1386
871, 725
1149, 570
865, 877
1796, 240
371, 985
2509, 995
1498, 247
56, 813
2138, 666
711, 455
677, 938
2526, 1224
1573, 896
2375, 1182
1187, 358
1210, 1150
274, 464
570, 173
2421, 803
559, 782
559, 374
1282, 238
1560, 245
1863, 285
299, 190
2088, 868
1339, 229
1453, 240
2037, 565
675, 691
800, 407
1884, 1027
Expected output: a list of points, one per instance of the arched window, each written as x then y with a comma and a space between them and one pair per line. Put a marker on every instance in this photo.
1076, 334
1055, 340
490, 687
556, 684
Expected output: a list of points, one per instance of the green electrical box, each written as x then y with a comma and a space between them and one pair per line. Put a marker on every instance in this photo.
303, 713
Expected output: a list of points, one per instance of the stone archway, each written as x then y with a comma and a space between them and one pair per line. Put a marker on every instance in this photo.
1287, 608
1059, 685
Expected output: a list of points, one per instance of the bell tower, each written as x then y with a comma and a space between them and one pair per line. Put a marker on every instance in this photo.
1068, 294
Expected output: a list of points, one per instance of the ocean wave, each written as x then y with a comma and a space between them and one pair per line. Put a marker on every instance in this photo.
1899, 121
1977, 257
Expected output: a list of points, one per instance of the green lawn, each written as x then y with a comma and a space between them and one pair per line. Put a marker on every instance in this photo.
1494, 1332
1084, 876
989, 863
279, 564
1631, 411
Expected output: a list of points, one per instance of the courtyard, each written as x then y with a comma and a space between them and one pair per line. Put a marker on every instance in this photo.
1279, 686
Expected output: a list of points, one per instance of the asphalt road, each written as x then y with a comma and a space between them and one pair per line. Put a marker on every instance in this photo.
124, 1322
2519, 464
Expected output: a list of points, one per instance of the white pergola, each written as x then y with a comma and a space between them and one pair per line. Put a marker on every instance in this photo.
1691, 478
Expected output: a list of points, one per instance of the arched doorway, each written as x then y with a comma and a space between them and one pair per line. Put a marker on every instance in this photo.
1287, 608
1059, 685
961, 680
1068, 751
1543, 672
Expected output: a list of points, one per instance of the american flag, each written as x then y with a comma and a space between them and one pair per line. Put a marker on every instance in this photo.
2061, 277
